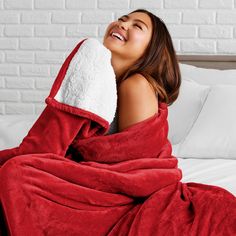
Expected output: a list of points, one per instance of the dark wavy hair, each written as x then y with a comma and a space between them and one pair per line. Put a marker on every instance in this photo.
159, 64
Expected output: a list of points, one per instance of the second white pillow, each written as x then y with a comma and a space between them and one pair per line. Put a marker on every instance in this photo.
184, 111
213, 135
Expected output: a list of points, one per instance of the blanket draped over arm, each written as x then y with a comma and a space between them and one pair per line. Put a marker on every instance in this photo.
126, 184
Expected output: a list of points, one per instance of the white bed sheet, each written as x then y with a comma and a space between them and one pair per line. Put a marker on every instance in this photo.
217, 172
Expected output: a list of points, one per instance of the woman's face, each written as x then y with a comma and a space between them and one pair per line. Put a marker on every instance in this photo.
137, 30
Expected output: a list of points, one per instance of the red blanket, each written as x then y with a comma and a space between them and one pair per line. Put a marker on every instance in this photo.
127, 183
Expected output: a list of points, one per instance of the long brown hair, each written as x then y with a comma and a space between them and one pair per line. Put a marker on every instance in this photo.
159, 64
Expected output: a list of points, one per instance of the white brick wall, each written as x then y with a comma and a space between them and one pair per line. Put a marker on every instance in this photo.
37, 35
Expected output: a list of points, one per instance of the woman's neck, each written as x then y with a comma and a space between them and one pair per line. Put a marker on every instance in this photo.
120, 65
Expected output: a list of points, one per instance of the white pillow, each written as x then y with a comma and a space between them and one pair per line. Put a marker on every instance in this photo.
208, 76
13, 128
184, 111
214, 133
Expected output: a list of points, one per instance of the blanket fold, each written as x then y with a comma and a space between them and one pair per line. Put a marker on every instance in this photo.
112, 194
82, 102
126, 184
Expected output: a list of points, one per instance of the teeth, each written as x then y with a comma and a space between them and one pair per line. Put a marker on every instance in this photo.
118, 35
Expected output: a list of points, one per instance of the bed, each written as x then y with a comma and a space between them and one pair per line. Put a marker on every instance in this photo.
204, 137
202, 127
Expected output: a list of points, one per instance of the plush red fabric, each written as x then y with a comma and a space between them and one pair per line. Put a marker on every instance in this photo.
127, 183
68, 178
56, 121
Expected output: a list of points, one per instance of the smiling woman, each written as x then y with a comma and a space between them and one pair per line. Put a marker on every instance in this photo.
136, 39
140, 43
142, 50
67, 177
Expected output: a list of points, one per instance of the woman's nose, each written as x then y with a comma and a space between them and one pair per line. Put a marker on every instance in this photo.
124, 25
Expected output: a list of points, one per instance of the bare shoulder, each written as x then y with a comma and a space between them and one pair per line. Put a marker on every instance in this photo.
137, 101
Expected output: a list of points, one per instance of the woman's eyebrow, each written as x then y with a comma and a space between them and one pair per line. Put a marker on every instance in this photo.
128, 17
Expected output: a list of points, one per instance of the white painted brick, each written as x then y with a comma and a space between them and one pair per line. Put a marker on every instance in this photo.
96, 17
19, 108
46, 4
59, 44
80, 4
9, 69
66, 17
29, 65
198, 17
226, 46
216, 4
180, 4
118, 13
34, 70
9, 95
113, 4
54, 70
2, 83
20, 83
39, 108
8, 43
18, 30
129, 10
34, 44
2, 110
9, 17
82, 30
198, 45
226, 17
169, 16
102, 30
34, 96
18, 4
215, 32
49, 57
44, 83
35, 17
64, 44
181, 31
1, 30
49, 31
1, 57
145, 4
176, 44
19, 57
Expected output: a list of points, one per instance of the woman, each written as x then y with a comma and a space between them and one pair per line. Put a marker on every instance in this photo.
127, 183
145, 58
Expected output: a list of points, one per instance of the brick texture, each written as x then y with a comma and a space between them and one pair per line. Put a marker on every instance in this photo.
37, 35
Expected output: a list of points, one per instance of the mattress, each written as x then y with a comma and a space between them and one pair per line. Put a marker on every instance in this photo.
217, 172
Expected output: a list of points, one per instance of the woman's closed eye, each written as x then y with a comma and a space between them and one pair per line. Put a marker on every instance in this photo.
134, 24
138, 26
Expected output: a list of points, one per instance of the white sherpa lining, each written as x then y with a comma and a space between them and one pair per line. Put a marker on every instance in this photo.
90, 82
